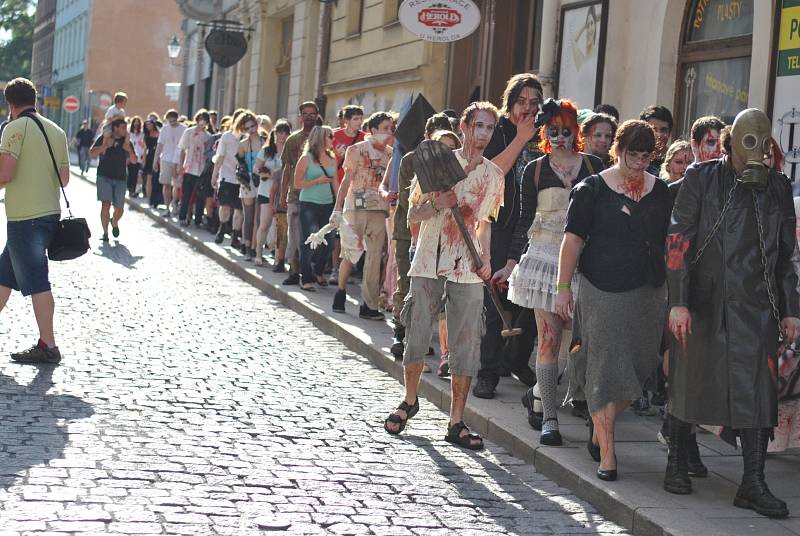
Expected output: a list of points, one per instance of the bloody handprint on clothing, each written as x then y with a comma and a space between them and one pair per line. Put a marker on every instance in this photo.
677, 246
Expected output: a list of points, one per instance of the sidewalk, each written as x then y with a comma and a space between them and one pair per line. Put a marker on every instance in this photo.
636, 501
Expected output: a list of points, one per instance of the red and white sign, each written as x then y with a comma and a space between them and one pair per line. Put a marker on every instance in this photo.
71, 104
440, 21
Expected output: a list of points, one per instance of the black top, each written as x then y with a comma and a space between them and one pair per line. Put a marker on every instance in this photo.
530, 196
85, 137
674, 188
504, 134
113, 161
622, 252
654, 168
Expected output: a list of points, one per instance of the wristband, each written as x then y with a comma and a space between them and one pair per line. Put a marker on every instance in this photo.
563, 286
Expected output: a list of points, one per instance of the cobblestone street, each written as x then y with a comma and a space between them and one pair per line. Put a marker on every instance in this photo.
190, 403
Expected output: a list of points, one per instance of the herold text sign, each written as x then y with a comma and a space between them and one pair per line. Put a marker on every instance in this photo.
440, 21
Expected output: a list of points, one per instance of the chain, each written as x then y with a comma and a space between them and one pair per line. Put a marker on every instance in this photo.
716, 225
763, 249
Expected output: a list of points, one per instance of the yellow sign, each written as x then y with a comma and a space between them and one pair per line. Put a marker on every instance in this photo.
52, 102
790, 29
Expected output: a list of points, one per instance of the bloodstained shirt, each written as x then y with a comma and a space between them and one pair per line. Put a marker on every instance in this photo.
441, 250
365, 164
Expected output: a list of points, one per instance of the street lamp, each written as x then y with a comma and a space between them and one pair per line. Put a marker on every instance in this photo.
174, 48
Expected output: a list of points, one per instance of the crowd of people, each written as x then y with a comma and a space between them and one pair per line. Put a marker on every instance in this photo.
646, 271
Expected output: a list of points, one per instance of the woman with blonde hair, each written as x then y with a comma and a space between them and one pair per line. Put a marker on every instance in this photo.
678, 157
314, 177
249, 147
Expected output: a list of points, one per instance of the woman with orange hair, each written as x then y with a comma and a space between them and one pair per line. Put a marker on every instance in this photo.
546, 183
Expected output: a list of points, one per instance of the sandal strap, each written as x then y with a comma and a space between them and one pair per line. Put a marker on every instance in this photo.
455, 429
406, 407
396, 419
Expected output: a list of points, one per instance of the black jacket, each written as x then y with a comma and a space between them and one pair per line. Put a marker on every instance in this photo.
727, 375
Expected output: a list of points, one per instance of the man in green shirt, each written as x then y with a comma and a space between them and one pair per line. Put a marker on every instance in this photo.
289, 200
33, 209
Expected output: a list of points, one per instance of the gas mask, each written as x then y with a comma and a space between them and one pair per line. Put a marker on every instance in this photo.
751, 144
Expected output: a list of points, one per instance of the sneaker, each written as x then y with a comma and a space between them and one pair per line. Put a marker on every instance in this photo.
663, 434
166, 214
485, 387
115, 231
280, 267
444, 367
293, 279
39, 353
370, 314
104, 238
220, 236
249, 254
339, 300
334, 278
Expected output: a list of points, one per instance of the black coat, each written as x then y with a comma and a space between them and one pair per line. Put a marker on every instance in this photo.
727, 376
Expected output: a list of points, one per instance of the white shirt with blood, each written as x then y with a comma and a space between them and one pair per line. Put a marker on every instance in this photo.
441, 250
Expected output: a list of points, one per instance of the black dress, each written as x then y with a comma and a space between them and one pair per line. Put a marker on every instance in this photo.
151, 143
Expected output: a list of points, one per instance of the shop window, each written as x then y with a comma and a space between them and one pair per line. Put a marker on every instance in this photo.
714, 64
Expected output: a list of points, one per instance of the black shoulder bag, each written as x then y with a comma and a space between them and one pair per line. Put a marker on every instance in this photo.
71, 239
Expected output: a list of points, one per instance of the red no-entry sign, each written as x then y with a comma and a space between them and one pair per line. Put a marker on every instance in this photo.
71, 104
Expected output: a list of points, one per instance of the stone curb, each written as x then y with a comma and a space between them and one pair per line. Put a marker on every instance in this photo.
551, 462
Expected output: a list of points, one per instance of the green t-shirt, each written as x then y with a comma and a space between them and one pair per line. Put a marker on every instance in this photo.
34, 189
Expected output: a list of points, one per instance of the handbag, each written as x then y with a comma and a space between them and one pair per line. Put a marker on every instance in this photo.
71, 238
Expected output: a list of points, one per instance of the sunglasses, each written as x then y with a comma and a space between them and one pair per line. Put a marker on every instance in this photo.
553, 132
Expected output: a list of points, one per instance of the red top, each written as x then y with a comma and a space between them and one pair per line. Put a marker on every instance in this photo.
341, 141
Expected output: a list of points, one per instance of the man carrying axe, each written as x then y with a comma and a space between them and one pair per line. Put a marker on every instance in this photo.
444, 274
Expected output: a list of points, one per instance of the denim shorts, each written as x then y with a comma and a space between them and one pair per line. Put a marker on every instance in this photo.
111, 191
23, 263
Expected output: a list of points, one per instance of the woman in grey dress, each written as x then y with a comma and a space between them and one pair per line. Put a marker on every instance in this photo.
615, 234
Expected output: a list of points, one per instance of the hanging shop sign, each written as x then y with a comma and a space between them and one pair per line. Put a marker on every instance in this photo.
440, 21
226, 47
786, 105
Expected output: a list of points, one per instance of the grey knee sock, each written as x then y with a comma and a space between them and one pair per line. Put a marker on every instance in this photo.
547, 380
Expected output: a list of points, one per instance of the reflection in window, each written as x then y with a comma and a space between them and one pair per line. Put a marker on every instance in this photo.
715, 88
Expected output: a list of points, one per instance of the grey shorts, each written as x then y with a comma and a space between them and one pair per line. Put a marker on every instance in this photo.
111, 191
466, 321
168, 174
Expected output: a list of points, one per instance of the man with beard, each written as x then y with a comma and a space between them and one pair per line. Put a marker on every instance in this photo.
660, 118
732, 293
115, 150
513, 145
365, 212
442, 273
289, 198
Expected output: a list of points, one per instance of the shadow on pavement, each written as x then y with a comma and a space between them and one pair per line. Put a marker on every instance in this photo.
118, 253
511, 503
33, 428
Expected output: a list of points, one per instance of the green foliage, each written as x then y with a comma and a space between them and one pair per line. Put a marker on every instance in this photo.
18, 17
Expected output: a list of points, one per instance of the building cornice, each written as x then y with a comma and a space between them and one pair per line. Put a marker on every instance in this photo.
372, 81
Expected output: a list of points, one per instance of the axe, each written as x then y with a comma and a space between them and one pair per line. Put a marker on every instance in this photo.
438, 170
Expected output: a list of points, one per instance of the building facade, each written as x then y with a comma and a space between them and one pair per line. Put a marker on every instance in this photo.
103, 47
43, 37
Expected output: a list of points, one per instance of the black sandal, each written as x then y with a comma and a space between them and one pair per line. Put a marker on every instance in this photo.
466, 441
394, 418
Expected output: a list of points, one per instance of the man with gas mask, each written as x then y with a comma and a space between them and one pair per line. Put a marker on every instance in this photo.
733, 301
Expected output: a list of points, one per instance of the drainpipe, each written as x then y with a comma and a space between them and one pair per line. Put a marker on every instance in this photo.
324, 56
547, 56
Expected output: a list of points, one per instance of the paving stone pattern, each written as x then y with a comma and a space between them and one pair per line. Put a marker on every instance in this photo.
189, 403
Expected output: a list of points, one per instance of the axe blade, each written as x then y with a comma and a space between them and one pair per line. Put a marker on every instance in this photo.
436, 167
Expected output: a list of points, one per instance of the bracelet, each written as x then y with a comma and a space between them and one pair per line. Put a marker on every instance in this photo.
564, 286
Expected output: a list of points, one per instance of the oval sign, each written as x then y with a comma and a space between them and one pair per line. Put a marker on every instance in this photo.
225, 47
440, 21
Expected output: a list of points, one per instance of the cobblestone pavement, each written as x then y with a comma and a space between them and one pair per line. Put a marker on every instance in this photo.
190, 403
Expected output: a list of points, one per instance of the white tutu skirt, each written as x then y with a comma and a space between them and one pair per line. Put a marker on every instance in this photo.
533, 282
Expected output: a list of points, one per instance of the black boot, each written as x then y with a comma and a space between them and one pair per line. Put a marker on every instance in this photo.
696, 466
397, 344
753, 493
676, 478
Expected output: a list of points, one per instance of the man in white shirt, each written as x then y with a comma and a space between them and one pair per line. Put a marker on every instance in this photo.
442, 272
167, 160
223, 178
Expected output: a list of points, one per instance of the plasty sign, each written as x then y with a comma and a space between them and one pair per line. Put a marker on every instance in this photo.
440, 21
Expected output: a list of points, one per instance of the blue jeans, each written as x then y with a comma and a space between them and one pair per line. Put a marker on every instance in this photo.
312, 218
23, 263
83, 158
